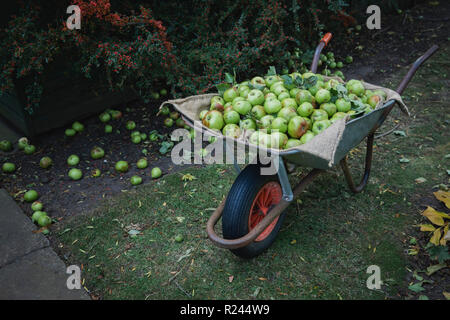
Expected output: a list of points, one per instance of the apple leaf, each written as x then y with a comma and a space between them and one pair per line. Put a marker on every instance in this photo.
439, 253
165, 147
417, 287
427, 228
256, 86
229, 78
222, 87
287, 80
310, 82
272, 71
434, 268
298, 81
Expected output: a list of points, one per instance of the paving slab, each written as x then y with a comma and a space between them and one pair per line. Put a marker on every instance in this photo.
16, 231
40, 275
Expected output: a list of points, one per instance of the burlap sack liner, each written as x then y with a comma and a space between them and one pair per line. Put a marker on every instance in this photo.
323, 145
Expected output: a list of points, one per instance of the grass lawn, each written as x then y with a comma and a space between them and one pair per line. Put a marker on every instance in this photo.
328, 239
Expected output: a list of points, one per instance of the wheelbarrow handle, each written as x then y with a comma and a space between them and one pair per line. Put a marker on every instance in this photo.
322, 44
414, 68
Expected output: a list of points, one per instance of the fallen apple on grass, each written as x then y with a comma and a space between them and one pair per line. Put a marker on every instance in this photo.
156, 173
73, 160
97, 153
30, 196
135, 180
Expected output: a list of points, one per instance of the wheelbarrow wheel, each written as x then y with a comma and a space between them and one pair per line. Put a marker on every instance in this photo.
249, 200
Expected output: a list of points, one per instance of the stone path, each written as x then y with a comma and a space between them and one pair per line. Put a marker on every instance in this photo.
29, 268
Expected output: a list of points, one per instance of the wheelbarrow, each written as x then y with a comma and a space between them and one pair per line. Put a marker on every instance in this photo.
254, 209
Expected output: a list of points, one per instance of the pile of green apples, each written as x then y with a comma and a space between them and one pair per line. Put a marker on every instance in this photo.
285, 111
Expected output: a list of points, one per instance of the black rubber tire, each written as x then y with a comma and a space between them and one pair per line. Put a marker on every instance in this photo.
237, 210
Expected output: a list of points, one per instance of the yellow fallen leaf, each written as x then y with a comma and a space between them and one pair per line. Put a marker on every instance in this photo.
427, 227
446, 295
436, 237
443, 196
433, 216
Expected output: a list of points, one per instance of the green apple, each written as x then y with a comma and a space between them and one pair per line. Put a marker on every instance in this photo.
279, 124
37, 214
355, 87
319, 114
136, 139
231, 117
305, 109
45, 162
156, 173
104, 117
29, 149
121, 166
6, 145
202, 114
306, 137
264, 140
337, 116
244, 93
316, 87
235, 100
77, 126
22, 143
270, 95
230, 94
381, 93
217, 103
373, 100
272, 105
287, 112
130, 125
174, 115
283, 96
8, 167
255, 97
303, 96
278, 140
243, 107
44, 221
292, 143
289, 103
270, 80
108, 128
73, 160
322, 96
330, 108
97, 153
279, 89
142, 163
297, 127
247, 124
37, 206
258, 112
343, 105
168, 122
214, 120
320, 126
258, 81
332, 83
254, 137
180, 123
135, 180
231, 130
30, 196
70, 132
293, 92
265, 123
75, 174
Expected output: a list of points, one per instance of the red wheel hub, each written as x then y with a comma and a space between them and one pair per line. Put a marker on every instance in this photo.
269, 195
